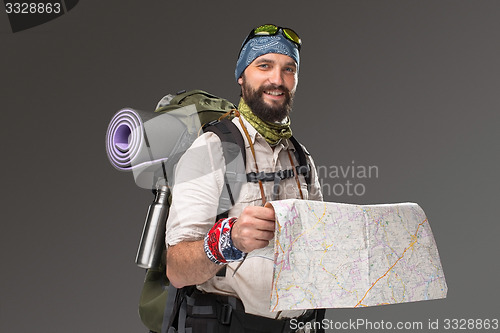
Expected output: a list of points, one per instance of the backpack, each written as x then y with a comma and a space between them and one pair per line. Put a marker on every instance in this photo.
156, 303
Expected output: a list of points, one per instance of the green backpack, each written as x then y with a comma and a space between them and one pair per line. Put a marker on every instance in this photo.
153, 306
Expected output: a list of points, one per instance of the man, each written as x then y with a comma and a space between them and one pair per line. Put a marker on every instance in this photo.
267, 71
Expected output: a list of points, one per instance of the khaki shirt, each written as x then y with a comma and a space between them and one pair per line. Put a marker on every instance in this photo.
199, 179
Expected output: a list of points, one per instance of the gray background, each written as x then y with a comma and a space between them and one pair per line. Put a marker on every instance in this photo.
411, 87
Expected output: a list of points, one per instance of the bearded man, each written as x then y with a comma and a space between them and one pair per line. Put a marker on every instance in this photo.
267, 71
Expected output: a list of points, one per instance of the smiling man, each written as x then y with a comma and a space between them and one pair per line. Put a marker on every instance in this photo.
267, 71
268, 85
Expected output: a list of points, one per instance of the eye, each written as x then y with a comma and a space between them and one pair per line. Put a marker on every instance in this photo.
264, 66
290, 70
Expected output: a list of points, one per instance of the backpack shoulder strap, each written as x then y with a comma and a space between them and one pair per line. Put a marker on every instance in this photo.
304, 168
232, 146
227, 131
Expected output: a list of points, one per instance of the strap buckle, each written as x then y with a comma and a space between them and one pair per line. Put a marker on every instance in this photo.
303, 170
224, 316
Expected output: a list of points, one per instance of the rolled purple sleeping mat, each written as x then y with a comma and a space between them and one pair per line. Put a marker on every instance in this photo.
140, 141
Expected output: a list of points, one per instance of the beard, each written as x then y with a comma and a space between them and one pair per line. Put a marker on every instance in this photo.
274, 113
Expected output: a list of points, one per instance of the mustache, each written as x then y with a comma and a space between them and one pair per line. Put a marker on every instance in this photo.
275, 87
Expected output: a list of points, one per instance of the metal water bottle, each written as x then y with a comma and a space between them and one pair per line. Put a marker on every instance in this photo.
153, 234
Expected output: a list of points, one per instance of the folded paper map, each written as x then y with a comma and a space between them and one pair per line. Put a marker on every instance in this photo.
334, 255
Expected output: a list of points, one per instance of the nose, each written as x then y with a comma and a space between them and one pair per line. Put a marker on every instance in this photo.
276, 76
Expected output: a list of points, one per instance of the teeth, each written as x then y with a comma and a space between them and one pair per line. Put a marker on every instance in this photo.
274, 93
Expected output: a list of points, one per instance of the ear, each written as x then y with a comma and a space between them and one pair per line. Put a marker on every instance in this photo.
240, 81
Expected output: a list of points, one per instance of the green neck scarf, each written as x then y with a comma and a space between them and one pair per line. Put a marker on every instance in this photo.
272, 132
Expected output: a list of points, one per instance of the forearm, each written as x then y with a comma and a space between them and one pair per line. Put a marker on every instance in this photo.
187, 264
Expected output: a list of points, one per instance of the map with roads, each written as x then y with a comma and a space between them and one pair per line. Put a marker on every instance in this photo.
335, 255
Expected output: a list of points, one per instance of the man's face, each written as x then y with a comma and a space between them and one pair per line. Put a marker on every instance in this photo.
268, 85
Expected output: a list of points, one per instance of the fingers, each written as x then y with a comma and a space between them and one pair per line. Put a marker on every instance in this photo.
259, 235
262, 213
259, 218
253, 229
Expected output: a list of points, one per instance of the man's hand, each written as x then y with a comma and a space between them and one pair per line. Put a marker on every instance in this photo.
254, 228
187, 262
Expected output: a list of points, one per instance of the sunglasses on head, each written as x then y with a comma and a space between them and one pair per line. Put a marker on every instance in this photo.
271, 30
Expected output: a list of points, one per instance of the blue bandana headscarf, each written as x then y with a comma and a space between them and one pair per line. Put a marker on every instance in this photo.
260, 45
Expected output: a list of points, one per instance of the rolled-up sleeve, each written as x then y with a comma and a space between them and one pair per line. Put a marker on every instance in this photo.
198, 181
